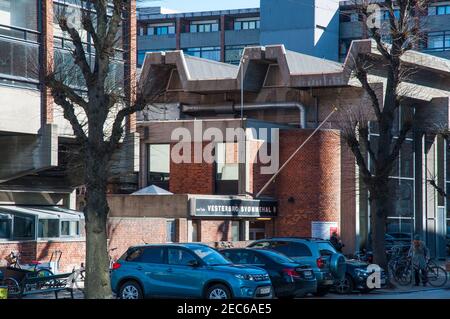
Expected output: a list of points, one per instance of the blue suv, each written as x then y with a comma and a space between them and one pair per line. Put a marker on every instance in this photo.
185, 271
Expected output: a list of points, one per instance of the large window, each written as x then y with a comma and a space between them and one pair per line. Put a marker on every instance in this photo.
246, 24
211, 53
227, 168
438, 10
203, 26
19, 13
5, 226
19, 42
159, 165
401, 184
161, 29
23, 227
48, 228
438, 41
233, 53
70, 228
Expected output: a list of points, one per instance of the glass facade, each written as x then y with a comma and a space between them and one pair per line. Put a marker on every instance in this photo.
204, 26
227, 168
438, 41
402, 177
246, 24
211, 53
233, 53
19, 42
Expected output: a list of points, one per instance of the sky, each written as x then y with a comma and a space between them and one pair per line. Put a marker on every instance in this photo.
202, 5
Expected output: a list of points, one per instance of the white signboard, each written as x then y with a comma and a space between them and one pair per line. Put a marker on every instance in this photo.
323, 229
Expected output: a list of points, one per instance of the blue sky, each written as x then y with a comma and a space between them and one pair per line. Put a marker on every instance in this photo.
202, 5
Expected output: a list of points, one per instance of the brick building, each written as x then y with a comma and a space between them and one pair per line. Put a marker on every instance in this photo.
36, 181
319, 190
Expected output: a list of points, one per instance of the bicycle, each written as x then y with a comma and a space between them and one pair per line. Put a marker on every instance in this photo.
13, 261
436, 275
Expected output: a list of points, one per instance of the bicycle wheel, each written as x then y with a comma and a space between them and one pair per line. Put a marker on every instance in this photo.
437, 276
13, 286
44, 273
403, 275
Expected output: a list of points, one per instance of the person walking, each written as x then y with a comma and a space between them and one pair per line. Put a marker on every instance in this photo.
419, 255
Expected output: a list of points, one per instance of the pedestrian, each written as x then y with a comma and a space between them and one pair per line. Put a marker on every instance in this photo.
336, 242
419, 255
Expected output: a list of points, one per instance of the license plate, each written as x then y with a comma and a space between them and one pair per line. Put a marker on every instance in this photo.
308, 273
264, 290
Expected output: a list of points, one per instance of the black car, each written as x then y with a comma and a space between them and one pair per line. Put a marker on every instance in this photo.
356, 276
289, 278
328, 265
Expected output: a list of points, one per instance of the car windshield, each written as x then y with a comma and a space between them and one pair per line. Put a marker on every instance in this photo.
326, 249
210, 256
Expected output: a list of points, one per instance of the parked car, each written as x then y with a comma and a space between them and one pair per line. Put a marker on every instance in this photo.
327, 265
185, 271
356, 276
289, 278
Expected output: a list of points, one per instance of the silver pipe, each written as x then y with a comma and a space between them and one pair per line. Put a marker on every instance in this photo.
229, 108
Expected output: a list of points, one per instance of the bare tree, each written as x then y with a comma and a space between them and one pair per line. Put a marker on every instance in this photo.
393, 38
96, 102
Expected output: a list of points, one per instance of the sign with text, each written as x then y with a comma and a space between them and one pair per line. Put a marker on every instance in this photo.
217, 207
323, 229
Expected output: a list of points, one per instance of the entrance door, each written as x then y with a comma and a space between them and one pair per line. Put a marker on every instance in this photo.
257, 230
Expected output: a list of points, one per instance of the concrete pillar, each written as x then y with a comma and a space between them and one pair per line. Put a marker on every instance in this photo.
178, 33
222, 38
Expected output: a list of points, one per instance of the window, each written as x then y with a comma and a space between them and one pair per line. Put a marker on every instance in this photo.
438, 41
19, 13
438, 10
203, 26
292, 250
48, 228
246, 24
227, 168
179, 257
133, 254
159, 165
23, 227
70, 228
5, 228
235, 230
171, 231
233, 53
152, 255
195, 230
386, 14
211, 53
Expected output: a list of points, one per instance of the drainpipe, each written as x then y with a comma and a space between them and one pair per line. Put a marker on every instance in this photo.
229, 108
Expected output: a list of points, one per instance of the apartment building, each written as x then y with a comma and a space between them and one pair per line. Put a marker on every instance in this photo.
37, 187
320, 28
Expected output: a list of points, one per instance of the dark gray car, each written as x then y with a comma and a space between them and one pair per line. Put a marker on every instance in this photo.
327, 265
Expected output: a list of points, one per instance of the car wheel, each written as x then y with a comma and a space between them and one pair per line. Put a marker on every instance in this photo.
218, 292
344, 286
130, 290
322, 291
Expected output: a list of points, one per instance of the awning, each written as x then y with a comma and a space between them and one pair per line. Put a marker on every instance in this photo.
42, 212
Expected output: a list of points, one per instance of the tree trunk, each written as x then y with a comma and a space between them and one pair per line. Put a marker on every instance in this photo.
381, 203
97, 284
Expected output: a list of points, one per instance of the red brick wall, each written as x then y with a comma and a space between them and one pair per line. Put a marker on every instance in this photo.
215, 230
191, 178
73, 252
312, 179
126, 232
